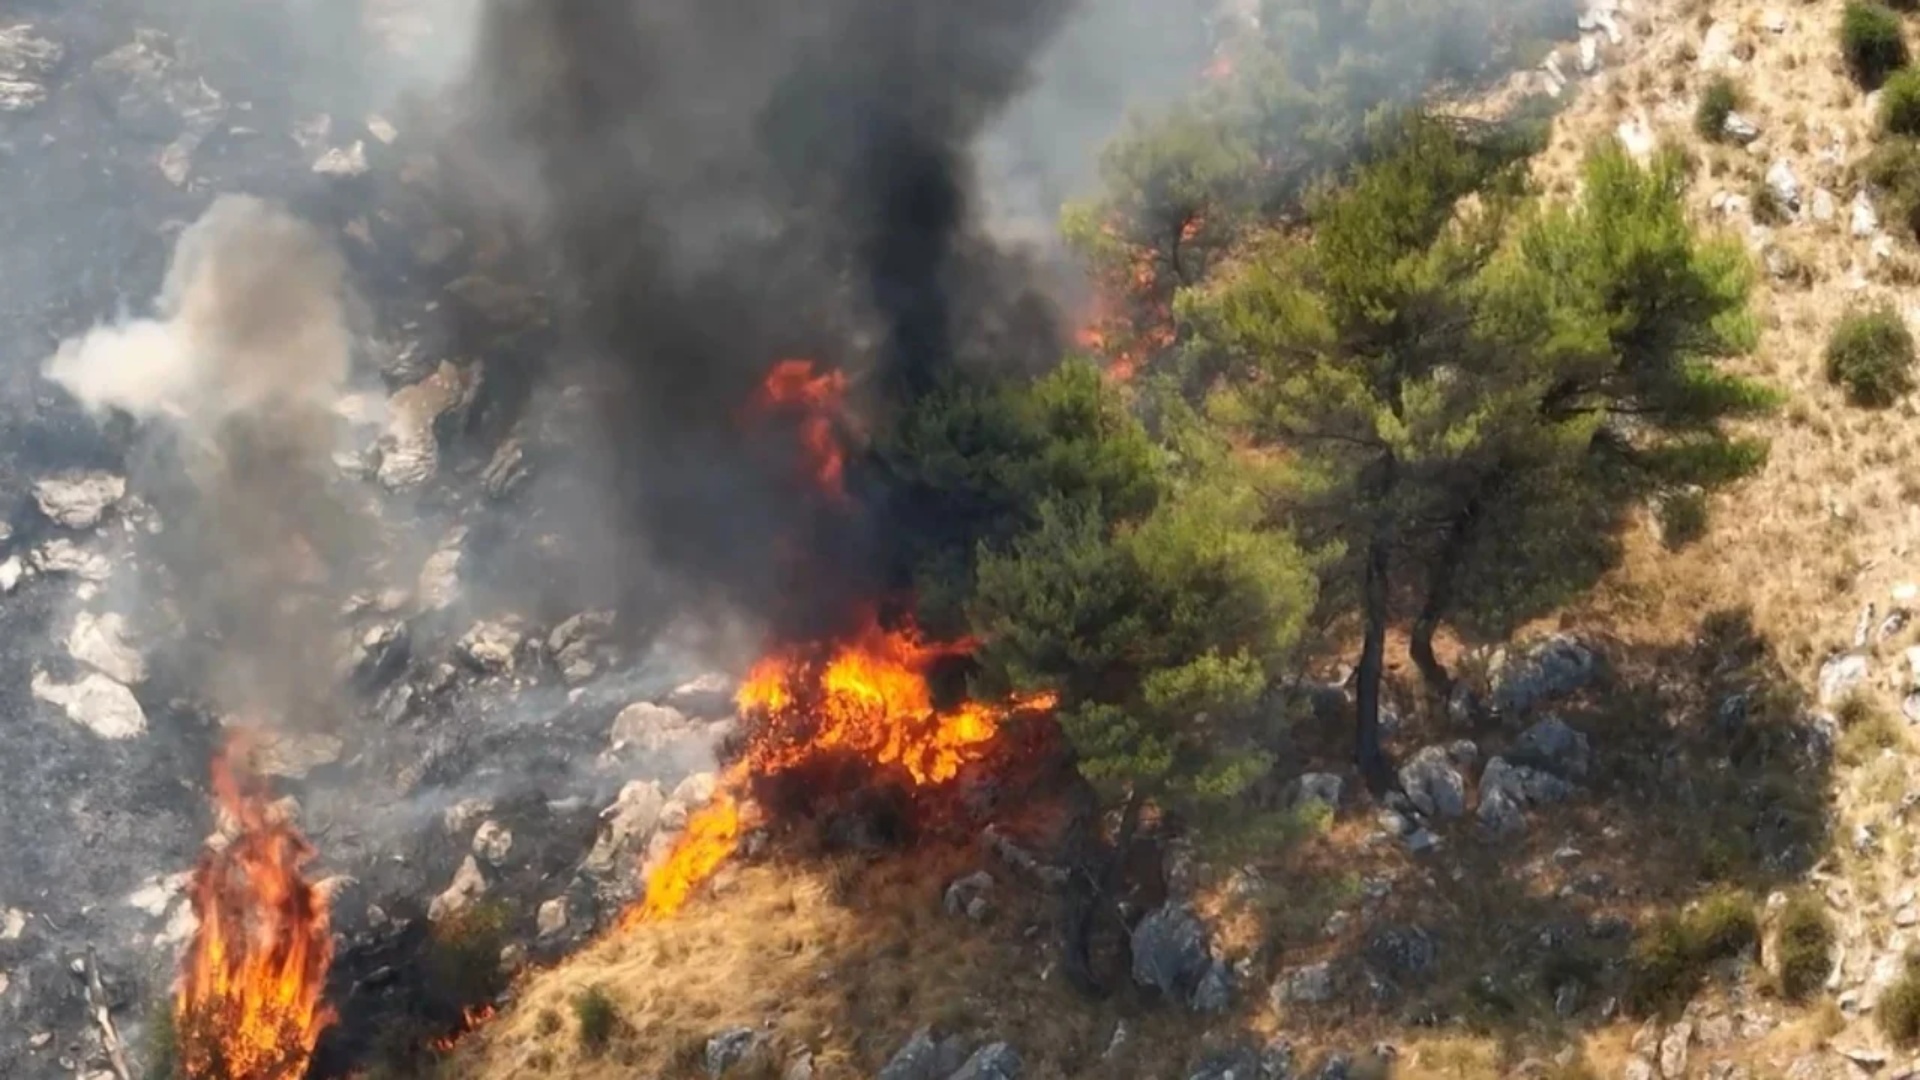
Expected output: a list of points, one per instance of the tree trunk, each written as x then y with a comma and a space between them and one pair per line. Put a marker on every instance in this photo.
1375, 768
1433, 610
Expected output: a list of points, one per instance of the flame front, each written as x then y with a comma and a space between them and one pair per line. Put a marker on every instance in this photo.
248, 1002
865, 696
819, 397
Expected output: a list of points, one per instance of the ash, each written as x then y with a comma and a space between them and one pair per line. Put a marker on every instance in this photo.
474, 727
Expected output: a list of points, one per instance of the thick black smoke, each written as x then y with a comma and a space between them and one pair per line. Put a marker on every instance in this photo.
726, 183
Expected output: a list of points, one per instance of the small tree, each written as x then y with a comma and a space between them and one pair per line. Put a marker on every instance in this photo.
1870, 356
1872, 41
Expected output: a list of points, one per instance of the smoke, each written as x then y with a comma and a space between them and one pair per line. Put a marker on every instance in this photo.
237, 372
723, 185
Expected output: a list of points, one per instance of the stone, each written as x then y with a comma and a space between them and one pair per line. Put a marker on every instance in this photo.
507, 470
1555, 747
1823, 208
64, 556
1550, 669
78, 500
1170, 951
99, 641
923, 1058
1639, 1068
1276, 1059
294, 754
629, 821
13, 923
343, 162
151, 93
1589, 54
97, 703
1863, 220
1308, 985
492, 842
1716, 48
707, 697
1636, 138
410, 448
465, 814
962, 892
439, 583
1234, 1062
728, 1049
489, 647
1214, 994
11, 571
1422, 841
381, 654
468, 886
1433, 783
1743, 131
1840, 676
1506, 790
1774, 21
1784, 184
1402, 951
1318, 789
1780, 263
1674, 1050
799, 1068
26, 61
994, 1061
573, 643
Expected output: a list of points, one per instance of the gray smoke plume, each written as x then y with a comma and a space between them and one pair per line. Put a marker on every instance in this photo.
236, 374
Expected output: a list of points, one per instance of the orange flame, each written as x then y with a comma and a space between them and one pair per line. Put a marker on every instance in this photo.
819, 396
866, 696
471, 1017
248, 1002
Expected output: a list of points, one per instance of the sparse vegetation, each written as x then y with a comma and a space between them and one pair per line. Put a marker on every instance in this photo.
464, 957
1870, 356
1872, 41
1717, 102
1899, 1011
1683, 517
1900, 103
1670, 957
1765, 205
594, 1018
1804, 943
1893, 168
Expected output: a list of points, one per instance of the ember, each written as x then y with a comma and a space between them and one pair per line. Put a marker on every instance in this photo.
248, 1002
866, 697
818, 396
471, 1017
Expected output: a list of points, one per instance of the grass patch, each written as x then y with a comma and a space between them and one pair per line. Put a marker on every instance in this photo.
1872, 43
1893, 168
1865, 731
1899, 1011
1716, 104
1805, 946
1900, 103
1766, 206
1870, 356
1683, 518
594, 1018
1670, 956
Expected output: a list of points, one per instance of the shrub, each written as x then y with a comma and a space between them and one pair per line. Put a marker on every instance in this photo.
1900, 103
161, 1044
1670, 956
1893, 169
1683, 518
1719, 100
1872, 43
463, 957
1870, 356
1804, 946
1766, 206
1899, 1012
593, 1011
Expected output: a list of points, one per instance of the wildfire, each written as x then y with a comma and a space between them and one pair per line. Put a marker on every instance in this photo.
471, 1017
866, 696
248, 1002
819, 397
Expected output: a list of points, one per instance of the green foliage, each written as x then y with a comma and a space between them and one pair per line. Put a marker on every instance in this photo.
1900, 103
1866, 730
595, 1018
1893, 169
1804, 946
1899, 1010
1716, 104
1683, 517
1872, 42
1870, 355
1669, 957
463, 958
160, 1045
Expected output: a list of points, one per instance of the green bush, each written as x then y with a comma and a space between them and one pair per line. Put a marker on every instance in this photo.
1893, 169
1870, 356
1805, 946
161, 1044
1899, 1011
593, 1010
1720, 99
1871, 41
1900, 103
1670, 956
463, 956
1683, 518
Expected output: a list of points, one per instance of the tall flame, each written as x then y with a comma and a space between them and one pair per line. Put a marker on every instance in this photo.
818, 396
866, 696
248, 1002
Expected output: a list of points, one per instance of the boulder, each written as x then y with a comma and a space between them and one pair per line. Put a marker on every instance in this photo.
962, 893
97, 703
507, 470
1401, 951
1318, 789
1863, 220
551, 918
1550, 669
728, 1049
492, 843
343, 162
1237, 1062
1673, 1049
99, 641
78, 500
994, 1061
1823, 208
1214, 994
924, 1058
489, 646
1506, 790
410, 448
1552, 745
1434, 783
1840, 676
26, 61
629, 822
575, 641
707, 697
1170, 951
1308, 985
439, 584
1743, 131
468, 886
1784, 184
